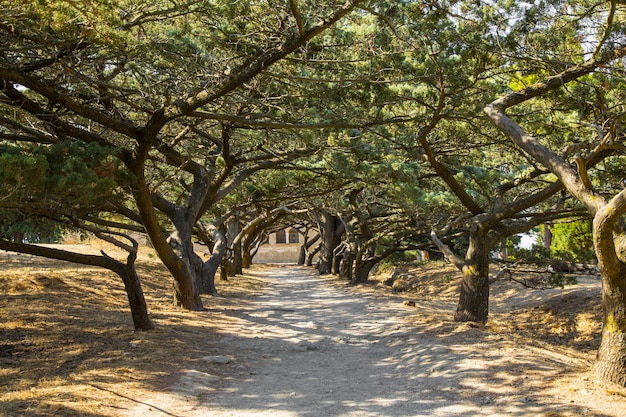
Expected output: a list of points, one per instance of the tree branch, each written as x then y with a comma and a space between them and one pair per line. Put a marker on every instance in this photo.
447, 252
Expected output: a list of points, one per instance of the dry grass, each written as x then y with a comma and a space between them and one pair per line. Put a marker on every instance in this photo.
67, 346
566, 320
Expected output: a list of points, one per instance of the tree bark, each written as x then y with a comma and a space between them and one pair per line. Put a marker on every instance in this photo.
184, 283
327, 248
136, 299
188, 272
474, 288
246, 257
347, 262
547, 237
305, 249
232, 231
610, 362
210, 267
331, 238
362, 269
311, 255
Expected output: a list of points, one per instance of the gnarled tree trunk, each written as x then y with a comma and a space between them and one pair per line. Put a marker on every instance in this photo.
232, 231
188, 269
177, 262
610, 362
474, 288
210, 267
362, 269
366, 259
134, 293
331, 231
311, 255
305, 249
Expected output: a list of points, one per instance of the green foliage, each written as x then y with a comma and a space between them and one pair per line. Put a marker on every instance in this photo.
83, 173
19, 171
45, 183
572, 241
97, 21
536, 254
19, 226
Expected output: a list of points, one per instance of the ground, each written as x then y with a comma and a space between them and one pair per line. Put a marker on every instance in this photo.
282, 341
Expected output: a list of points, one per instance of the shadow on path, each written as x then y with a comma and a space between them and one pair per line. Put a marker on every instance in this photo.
307, 348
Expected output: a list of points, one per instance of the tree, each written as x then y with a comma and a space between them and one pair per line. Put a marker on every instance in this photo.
169, 96
70, 185
607, 210
475, 180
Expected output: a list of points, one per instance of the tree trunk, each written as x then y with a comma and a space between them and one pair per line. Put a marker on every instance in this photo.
188, 271
331, 238
247, 241
184, 283
18, 237
302, 255
366, 259
185, 290
547, 237
337, 258
362, 270
474, 289
305, 249
224, 269
236, 267
136, 299
210, 267
346, 264
610, 365
232, 231
246, 258
311, 255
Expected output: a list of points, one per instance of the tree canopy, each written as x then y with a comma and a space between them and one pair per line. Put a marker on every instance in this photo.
222, 121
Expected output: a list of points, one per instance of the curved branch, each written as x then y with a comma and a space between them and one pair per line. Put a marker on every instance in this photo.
496, 111
447, 252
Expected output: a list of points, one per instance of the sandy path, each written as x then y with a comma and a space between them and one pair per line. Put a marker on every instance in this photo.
306, 348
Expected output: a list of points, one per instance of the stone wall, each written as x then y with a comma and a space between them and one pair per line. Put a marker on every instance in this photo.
277, 253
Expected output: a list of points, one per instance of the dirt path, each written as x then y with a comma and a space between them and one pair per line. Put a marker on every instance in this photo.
306, 347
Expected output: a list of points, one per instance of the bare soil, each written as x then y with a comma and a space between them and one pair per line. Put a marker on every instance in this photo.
282, 341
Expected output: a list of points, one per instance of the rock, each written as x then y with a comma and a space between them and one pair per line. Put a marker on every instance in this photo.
193, 381
218, 359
